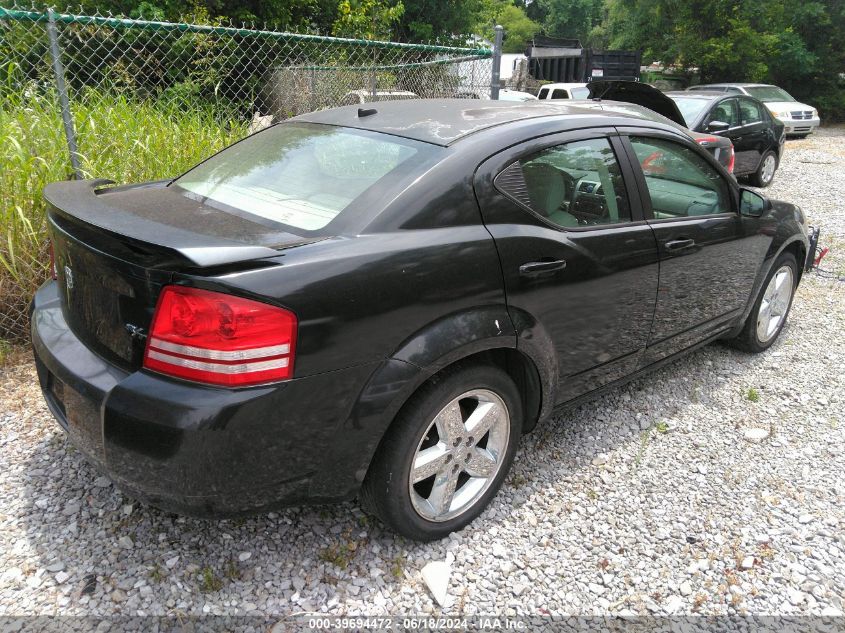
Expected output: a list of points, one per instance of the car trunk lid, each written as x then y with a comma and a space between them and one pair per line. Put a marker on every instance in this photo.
639, 94
115, 248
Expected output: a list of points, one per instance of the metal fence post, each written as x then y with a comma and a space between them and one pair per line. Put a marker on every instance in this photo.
61, 88
497, 62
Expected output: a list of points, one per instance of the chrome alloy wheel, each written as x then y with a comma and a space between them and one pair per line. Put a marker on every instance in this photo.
768, 170
775, 303
459, 455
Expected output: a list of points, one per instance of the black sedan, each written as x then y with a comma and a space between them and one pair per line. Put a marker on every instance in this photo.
655, 105
756, 135
379, 302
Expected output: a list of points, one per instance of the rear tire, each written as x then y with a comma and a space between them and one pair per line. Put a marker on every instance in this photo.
768, 316
456, 472
765, 173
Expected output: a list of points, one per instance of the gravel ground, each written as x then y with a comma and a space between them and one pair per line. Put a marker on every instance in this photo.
652, 501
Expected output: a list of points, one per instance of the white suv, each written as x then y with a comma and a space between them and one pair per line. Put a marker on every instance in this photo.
799, 118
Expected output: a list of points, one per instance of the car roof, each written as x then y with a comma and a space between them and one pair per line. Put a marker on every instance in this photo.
739, 84
445, 121
697, 94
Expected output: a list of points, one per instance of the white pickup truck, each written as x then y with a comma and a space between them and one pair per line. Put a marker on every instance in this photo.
563, 91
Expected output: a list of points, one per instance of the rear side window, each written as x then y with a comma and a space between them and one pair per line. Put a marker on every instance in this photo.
300, 175
749, 112
560, 93
574, 184
680, 182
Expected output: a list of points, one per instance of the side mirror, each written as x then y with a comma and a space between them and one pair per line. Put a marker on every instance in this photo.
753, 204
718, 126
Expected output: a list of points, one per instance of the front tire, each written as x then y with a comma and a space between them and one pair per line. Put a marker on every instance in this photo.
769, 313
765, 173
446, 454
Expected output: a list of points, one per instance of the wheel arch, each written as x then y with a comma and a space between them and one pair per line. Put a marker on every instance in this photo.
483, 335
795, 246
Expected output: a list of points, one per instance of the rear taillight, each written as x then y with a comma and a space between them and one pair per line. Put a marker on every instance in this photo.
220, 339
53, 274
703, 140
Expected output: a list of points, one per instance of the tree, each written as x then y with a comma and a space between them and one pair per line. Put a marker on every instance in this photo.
519, 28
568, 18
367, 19
438, 21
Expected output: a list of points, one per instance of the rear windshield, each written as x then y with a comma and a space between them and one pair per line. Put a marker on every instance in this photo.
302, 175
770, 93
690, 107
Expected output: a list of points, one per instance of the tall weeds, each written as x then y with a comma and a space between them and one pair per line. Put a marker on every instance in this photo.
122, 139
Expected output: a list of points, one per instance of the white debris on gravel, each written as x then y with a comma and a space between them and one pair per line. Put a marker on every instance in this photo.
436, 576
648, 501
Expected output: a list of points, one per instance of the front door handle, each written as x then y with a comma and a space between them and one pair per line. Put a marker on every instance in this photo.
679, 245
532, 269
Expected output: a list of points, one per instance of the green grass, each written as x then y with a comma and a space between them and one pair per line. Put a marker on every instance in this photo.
209, 582
119, 138
644, 438
753, 395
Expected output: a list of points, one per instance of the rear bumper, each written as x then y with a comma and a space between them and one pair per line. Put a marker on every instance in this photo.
194, 449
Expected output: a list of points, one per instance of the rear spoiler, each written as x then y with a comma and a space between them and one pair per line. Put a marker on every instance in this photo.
78, 201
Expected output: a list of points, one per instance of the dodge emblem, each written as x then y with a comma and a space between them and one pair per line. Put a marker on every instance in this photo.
68, 278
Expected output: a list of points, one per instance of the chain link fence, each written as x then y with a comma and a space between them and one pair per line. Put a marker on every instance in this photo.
134, 100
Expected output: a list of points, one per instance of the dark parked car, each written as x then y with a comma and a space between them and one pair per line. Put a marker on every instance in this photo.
799, 119
756, 135
655, 105
379, 302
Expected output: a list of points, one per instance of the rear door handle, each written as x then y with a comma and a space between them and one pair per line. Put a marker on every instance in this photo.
679, 245
532, 269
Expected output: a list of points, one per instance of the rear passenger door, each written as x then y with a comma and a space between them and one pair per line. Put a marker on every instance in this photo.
709, 254
578, 259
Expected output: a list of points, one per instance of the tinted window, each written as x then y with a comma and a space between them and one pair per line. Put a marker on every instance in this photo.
680, 182
690, 107
570, 185
724, 111
560, 93
300, 175
770, 93
543, 93
749, 112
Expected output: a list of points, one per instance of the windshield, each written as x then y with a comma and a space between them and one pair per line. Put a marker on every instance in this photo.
301, 175
770, 93
690, 107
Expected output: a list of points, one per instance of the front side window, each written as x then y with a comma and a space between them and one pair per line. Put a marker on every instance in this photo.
724, 111
749, 112
680, 182
576, 184
300, 175
580, 93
